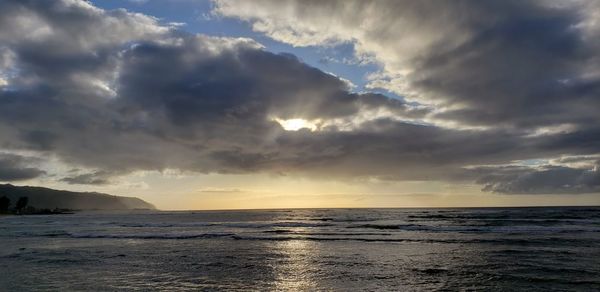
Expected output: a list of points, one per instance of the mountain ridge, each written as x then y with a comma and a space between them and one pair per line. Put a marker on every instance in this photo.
42, 197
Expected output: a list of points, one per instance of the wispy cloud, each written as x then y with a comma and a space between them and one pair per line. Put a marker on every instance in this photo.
124, 93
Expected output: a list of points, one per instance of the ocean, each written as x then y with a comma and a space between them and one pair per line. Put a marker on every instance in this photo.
486, 249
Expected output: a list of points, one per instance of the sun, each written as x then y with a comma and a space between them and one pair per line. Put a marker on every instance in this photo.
296, 124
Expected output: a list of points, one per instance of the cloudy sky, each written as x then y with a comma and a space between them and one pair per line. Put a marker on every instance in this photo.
195, 104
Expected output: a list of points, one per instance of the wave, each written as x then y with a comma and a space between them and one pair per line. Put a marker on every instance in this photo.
275, 224
152, 236
540, 279
391, 226
286, 231
357, 219
480, 228
510, 216
502, 241
163, 225
226, 224
332, 236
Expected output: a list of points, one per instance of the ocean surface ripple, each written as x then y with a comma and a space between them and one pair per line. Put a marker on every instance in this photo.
490, 249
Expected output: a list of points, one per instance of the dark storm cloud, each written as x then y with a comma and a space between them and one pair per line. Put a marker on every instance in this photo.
543, 180
118, 92
529, 67
240, 83
183, 100
92, 178
521, 64
15, 168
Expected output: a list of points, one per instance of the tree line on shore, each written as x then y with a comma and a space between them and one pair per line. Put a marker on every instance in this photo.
21, 207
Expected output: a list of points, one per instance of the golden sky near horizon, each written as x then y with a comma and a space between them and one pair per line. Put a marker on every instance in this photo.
228, 104
177, 191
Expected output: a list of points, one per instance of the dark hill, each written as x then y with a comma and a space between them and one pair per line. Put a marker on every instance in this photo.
49, 198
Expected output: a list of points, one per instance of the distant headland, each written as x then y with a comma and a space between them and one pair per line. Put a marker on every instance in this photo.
39, 200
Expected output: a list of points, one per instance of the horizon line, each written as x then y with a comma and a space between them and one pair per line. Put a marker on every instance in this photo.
325, 208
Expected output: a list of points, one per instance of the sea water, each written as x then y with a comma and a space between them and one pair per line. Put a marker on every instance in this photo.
490, 249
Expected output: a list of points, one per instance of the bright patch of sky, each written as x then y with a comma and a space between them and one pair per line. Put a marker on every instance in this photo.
534, 162
195, 16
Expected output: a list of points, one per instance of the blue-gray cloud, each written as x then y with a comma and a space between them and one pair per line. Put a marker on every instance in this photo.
118, 92
543, 180
16, 168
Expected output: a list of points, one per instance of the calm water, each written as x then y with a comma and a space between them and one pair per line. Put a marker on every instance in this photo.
311, 250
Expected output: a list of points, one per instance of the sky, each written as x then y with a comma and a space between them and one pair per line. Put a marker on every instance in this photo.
226, 104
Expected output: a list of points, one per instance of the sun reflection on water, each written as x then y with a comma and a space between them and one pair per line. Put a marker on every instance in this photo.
294, 271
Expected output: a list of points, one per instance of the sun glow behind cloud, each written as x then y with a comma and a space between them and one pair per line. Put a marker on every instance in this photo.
214, 105
296, 124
